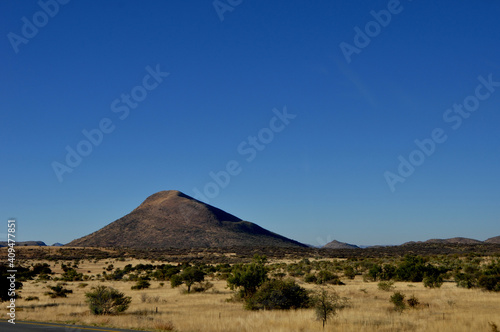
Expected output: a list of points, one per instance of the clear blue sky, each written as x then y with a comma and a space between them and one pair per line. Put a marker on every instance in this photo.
318, 176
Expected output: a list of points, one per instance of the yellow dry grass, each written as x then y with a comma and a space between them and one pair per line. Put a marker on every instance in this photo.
446, 309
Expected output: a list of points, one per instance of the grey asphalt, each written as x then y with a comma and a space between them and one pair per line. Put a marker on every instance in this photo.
52, 327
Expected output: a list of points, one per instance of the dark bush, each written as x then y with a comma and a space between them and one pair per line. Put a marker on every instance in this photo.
413, 302
104, 300
279, 294
310, 278
489, 282
349, 272
141, 284
433, 281
325, 276
58, 291
411, 269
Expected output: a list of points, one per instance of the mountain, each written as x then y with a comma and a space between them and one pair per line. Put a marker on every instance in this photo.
24, 243
339, 245
173, 219
57, 244
495, 239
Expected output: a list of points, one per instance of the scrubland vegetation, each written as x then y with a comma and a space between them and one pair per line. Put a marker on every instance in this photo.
408, 293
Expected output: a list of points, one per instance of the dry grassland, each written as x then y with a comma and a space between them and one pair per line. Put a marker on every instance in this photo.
161, 307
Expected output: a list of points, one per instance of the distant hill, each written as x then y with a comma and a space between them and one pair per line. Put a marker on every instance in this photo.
171, 219
495, 239
57, 244
25, 243
455, 240
339, 245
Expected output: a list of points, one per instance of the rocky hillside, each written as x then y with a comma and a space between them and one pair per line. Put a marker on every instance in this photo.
171, 219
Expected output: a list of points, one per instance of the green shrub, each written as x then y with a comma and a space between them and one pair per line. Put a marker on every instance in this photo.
104, 300
325, 276
397, 299
166, 272
349, 272
466, 280
433, 281
279, 294
70, 274
248, 277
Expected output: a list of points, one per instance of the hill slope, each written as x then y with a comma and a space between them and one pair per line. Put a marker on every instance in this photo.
173, 219
495, 239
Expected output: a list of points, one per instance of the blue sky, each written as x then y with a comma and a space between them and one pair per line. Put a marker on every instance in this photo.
309, 134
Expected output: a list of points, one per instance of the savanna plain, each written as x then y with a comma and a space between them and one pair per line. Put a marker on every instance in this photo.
365, 287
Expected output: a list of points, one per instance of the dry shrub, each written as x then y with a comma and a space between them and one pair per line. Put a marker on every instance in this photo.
163, 326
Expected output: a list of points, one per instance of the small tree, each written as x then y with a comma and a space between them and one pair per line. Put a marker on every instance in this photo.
327, 304
104, 300
188, 276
